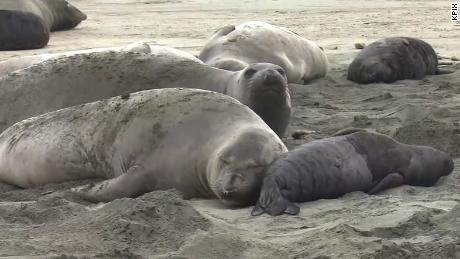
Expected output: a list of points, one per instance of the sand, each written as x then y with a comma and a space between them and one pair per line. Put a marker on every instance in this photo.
404, 222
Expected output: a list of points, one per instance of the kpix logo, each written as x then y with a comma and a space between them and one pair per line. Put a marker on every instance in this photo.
454, 12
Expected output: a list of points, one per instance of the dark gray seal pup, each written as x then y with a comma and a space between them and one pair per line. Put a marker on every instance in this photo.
26, 24
331, 167
204, 144
395, 58
71, 80
235, 47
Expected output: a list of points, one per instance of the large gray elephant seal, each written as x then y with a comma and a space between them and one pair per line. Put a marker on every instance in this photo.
26, 24
394, 58
82, 78
203, 143
21, 62
360, 161
234, 47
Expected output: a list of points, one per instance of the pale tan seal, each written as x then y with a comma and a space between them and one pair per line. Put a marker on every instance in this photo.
203, 143
71, 80
21, 62
234, 47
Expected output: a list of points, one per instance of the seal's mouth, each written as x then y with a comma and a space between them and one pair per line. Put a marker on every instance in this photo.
240, 189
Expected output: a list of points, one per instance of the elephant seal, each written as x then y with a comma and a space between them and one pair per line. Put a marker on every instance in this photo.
234, 47
394, 58
21, 62
71, 80
360, 161
203, 143
26, 24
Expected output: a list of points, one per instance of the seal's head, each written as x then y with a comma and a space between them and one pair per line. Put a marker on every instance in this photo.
262, 79
68, 16
236, 170
377, 71
436, 161
280, 187
263, 87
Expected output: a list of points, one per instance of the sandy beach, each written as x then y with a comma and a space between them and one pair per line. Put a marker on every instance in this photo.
404, 222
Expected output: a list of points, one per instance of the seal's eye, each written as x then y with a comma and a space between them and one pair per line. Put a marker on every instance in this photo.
224, 161
249, 72
281, 71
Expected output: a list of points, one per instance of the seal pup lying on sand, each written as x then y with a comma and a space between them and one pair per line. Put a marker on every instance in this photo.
234, 47
82, 78
331, 167
203, 143
26, 24
395, 58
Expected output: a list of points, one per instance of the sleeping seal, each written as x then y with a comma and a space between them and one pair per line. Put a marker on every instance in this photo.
21, 62
331, 167
234, 47
395, 58
81, 78
26, 24
203, 143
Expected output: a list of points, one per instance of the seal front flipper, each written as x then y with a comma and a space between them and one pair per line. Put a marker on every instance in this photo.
276, 208
130, 184
390, 181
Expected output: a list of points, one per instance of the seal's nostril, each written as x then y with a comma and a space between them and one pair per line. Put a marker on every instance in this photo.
270, 77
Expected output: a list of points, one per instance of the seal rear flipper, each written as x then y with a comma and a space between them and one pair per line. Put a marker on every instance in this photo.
130, 184
348, 131
389, 181
22, 30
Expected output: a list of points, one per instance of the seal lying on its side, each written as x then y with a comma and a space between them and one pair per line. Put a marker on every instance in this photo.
26, 24
82, 78
361, 161
203, 143
395, 58
21, 62
234, 47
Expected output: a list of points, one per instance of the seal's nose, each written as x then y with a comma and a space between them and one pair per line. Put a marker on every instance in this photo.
272, 76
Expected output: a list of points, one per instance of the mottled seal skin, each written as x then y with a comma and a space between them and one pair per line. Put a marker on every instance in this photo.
26, 24
71, 80
395, 58
234, 47
331, 167
21, 62
203, 143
